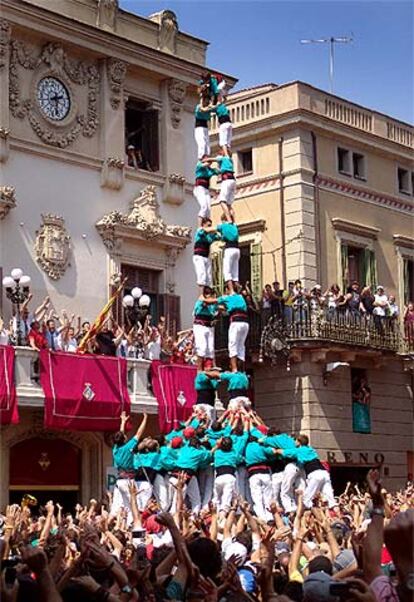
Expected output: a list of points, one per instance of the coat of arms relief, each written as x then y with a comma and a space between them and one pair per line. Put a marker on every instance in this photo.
52, 246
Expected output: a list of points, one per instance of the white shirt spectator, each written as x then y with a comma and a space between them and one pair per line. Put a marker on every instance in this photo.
154, 347
4, 337
381, 309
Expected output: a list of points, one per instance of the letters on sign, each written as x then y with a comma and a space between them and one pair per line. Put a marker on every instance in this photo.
355, 458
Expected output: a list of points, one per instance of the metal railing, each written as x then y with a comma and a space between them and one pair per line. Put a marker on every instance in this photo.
298, 326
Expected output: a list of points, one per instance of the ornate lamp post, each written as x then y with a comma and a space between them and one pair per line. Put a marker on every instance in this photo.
136, 306
17, 290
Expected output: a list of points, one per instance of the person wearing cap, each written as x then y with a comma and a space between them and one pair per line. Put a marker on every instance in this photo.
317, 478
190, 459
201, 192
177, 432
229, 234
228, 455
205, 311
235, 306
258, 458
202, 115
123, 459
204, 237
316, 586
237, 383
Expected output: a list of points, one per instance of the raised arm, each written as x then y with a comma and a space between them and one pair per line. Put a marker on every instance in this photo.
142, 427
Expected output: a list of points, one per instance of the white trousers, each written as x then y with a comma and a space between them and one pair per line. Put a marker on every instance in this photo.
144, 494
231, 258
225, 489
206, 485
202, 266
161, 491
204, 200
202, 141
318, 481
203, 340
261, 492
191, 491
121, 497
238, 332
227, 191
243, 484
225, 133
287, 493
277, 479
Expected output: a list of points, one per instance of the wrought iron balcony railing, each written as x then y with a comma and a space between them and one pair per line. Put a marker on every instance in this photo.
306, 325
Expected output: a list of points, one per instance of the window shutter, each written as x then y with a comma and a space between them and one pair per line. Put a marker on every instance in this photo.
256, 270
370, 269
152, 141
171, 311
217, 269
344, 265
406, 277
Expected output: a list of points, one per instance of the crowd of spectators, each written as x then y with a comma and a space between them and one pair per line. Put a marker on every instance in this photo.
44, 328
359, 552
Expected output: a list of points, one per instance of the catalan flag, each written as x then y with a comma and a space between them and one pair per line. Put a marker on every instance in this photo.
99, 322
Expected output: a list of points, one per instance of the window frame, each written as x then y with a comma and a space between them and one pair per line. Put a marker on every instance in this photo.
154, 106
350, 171
240, 163
345, 172
409, 191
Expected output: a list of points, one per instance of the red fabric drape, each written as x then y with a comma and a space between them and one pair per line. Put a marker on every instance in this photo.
8, 400
167, 382
83, 392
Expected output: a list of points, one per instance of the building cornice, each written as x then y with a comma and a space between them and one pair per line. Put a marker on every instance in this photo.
100, 42
403, 241
258, 225
344, 225
365, 194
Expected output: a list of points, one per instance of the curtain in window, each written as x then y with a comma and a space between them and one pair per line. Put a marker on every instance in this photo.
361, 417
370, 269
217, 268
406, 276
256, 270
344, 265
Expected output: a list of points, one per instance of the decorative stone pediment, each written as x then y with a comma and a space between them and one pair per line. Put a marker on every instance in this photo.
143, 222
7, 200
107, 11
167, 30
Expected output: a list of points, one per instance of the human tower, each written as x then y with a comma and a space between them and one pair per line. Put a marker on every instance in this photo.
217, 460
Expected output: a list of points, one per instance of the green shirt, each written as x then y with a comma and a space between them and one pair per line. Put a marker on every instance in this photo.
122, 455
235, 380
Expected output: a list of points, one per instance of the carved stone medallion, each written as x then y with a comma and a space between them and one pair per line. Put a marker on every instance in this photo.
107, 11
176, 92
7, 200
116, 71
52, 246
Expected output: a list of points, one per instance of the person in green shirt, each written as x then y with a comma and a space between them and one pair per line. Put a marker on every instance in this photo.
205, 311
202, 115
229, 233
235, 306
203, 173
190, 459
123, 459
204, 237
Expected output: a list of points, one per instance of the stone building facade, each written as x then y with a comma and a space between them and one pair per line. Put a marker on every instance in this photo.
80, 82
325, 194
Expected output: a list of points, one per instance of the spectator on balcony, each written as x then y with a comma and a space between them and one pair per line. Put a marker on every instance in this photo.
366, 305
394, 310
84, 329
67, 340
316, 300
52, 335
330, 298
106, 342
252, 305
154, 343
300, 303
4, 333
353, 299
277, 301
37, 339
289, 297
381, 308
26, 318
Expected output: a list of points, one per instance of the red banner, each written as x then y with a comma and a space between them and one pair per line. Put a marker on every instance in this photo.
9, 413
83, 392
173, 386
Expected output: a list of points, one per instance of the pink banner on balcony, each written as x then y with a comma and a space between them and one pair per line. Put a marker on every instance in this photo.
9, 413
173, 386
83, 392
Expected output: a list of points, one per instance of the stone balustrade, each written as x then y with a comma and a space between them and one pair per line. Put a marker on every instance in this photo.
30, 393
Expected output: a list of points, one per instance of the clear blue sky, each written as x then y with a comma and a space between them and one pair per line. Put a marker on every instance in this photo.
258, 42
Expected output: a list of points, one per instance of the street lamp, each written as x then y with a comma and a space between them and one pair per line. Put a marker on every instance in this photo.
17, 290
136, 306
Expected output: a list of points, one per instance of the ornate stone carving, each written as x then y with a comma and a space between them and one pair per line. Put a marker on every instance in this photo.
53, 59
4, 144
116, 71
7, 200
176, 92
174, 189
107, 11
112, 175
5, 34
52, 246
145, 219
167, 30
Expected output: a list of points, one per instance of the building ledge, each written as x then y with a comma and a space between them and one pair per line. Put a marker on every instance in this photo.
355, 228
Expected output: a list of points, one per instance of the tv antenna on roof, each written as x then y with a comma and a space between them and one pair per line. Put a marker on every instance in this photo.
331, 41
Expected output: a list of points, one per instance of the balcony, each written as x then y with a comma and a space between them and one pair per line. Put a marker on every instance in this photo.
30, 393
306, 327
